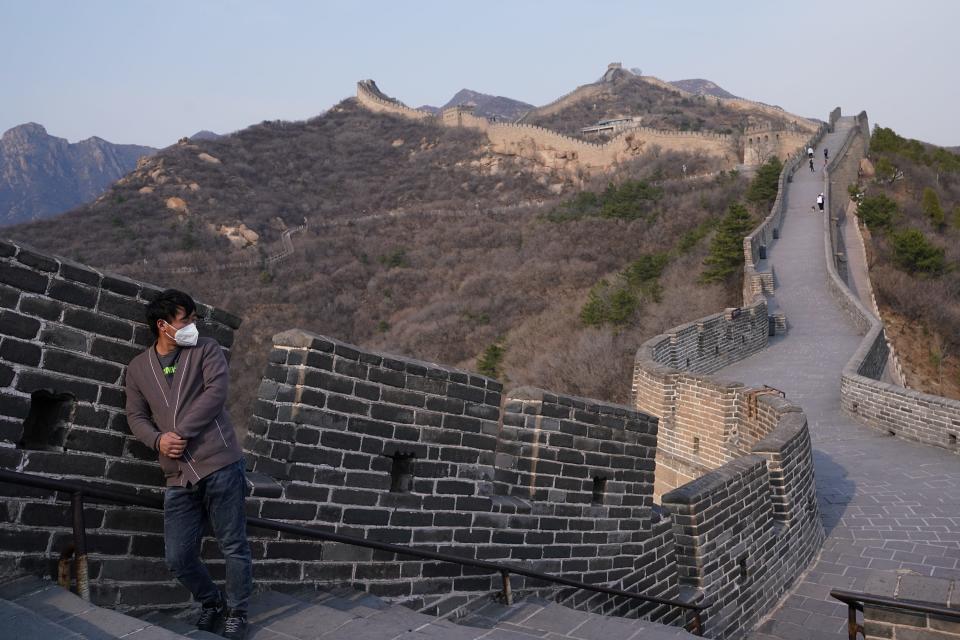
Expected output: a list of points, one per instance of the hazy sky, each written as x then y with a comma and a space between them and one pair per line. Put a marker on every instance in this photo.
151, 72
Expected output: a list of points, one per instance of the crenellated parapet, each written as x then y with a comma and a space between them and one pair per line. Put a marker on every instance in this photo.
370, 96
574, 156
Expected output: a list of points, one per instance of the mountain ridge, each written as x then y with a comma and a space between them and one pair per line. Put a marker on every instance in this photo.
43, 175
485, 105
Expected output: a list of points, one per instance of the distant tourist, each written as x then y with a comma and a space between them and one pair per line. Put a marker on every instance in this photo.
826, 154
811, 163
176, 405
684, 169
810, 152
820, 202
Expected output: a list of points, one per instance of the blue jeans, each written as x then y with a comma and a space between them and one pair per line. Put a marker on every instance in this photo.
220, 499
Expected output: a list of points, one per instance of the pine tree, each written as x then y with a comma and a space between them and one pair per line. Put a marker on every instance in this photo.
726, 250
931, 206
489, 363
763, 188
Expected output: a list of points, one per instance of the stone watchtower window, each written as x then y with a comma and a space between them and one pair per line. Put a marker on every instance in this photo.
46, 424
401, 473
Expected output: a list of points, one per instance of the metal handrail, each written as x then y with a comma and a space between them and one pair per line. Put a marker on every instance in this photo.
856, 601
79, 491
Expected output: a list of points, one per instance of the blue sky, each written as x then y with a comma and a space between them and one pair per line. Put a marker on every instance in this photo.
151, 72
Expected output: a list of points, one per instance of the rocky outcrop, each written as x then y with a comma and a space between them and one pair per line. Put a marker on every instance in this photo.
42, 175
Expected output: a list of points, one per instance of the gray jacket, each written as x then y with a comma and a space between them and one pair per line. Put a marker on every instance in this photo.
193, 406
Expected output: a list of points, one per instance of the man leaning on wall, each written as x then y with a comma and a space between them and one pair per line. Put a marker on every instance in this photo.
176, 404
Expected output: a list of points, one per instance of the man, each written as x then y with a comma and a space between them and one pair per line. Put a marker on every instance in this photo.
176, 396
820, 202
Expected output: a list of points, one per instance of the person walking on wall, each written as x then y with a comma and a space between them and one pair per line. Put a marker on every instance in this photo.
809, 152
176, 405
826, 154
811, 163
820, 202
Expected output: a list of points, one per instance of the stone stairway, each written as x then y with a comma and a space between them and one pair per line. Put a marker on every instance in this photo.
34, 609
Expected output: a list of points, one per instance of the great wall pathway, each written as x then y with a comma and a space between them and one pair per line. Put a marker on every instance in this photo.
886, 503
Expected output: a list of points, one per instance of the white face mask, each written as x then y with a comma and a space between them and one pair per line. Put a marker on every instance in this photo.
186, 336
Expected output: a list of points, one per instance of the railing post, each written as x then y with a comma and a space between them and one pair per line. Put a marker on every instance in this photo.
80, 546
852, 626
507, 593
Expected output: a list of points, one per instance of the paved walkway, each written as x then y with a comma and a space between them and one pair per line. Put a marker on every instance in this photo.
886, 503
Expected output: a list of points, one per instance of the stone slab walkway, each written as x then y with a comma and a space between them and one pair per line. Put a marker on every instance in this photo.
887, 504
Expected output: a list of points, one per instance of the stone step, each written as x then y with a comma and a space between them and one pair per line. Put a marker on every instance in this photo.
24, 624
184, 624
34, 609
543, 618
76, 617
354, 615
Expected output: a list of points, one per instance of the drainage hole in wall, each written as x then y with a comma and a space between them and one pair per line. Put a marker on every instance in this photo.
45, 427
744, 572
401, 472
599, 489
696, 444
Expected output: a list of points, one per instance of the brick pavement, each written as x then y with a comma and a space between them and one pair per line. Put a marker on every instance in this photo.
887, 504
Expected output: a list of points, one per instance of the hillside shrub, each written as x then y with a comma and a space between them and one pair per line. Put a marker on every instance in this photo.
629, 200
763, 188
930, 203
396, 258
609, 304
877, 212
692, 238
887, 141
726, 250
491, 361
914, 253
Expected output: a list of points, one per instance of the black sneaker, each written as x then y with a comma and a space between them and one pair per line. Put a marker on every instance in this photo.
235, 625
210, 616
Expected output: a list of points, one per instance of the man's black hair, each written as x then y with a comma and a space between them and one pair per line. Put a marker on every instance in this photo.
164, 307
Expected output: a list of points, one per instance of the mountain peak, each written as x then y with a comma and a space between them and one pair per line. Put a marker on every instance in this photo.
41, 175
27, 130
489, 106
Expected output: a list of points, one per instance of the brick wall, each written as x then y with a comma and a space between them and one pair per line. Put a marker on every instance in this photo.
700, 417
924, 417
899, 624
68, 332
745, 530
370, 96
559, 483
734, 464
572, 155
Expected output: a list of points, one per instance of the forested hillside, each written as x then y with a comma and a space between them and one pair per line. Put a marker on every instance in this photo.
910, 205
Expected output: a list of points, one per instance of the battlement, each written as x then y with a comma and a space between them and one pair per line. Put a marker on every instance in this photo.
573, 156
370, 96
